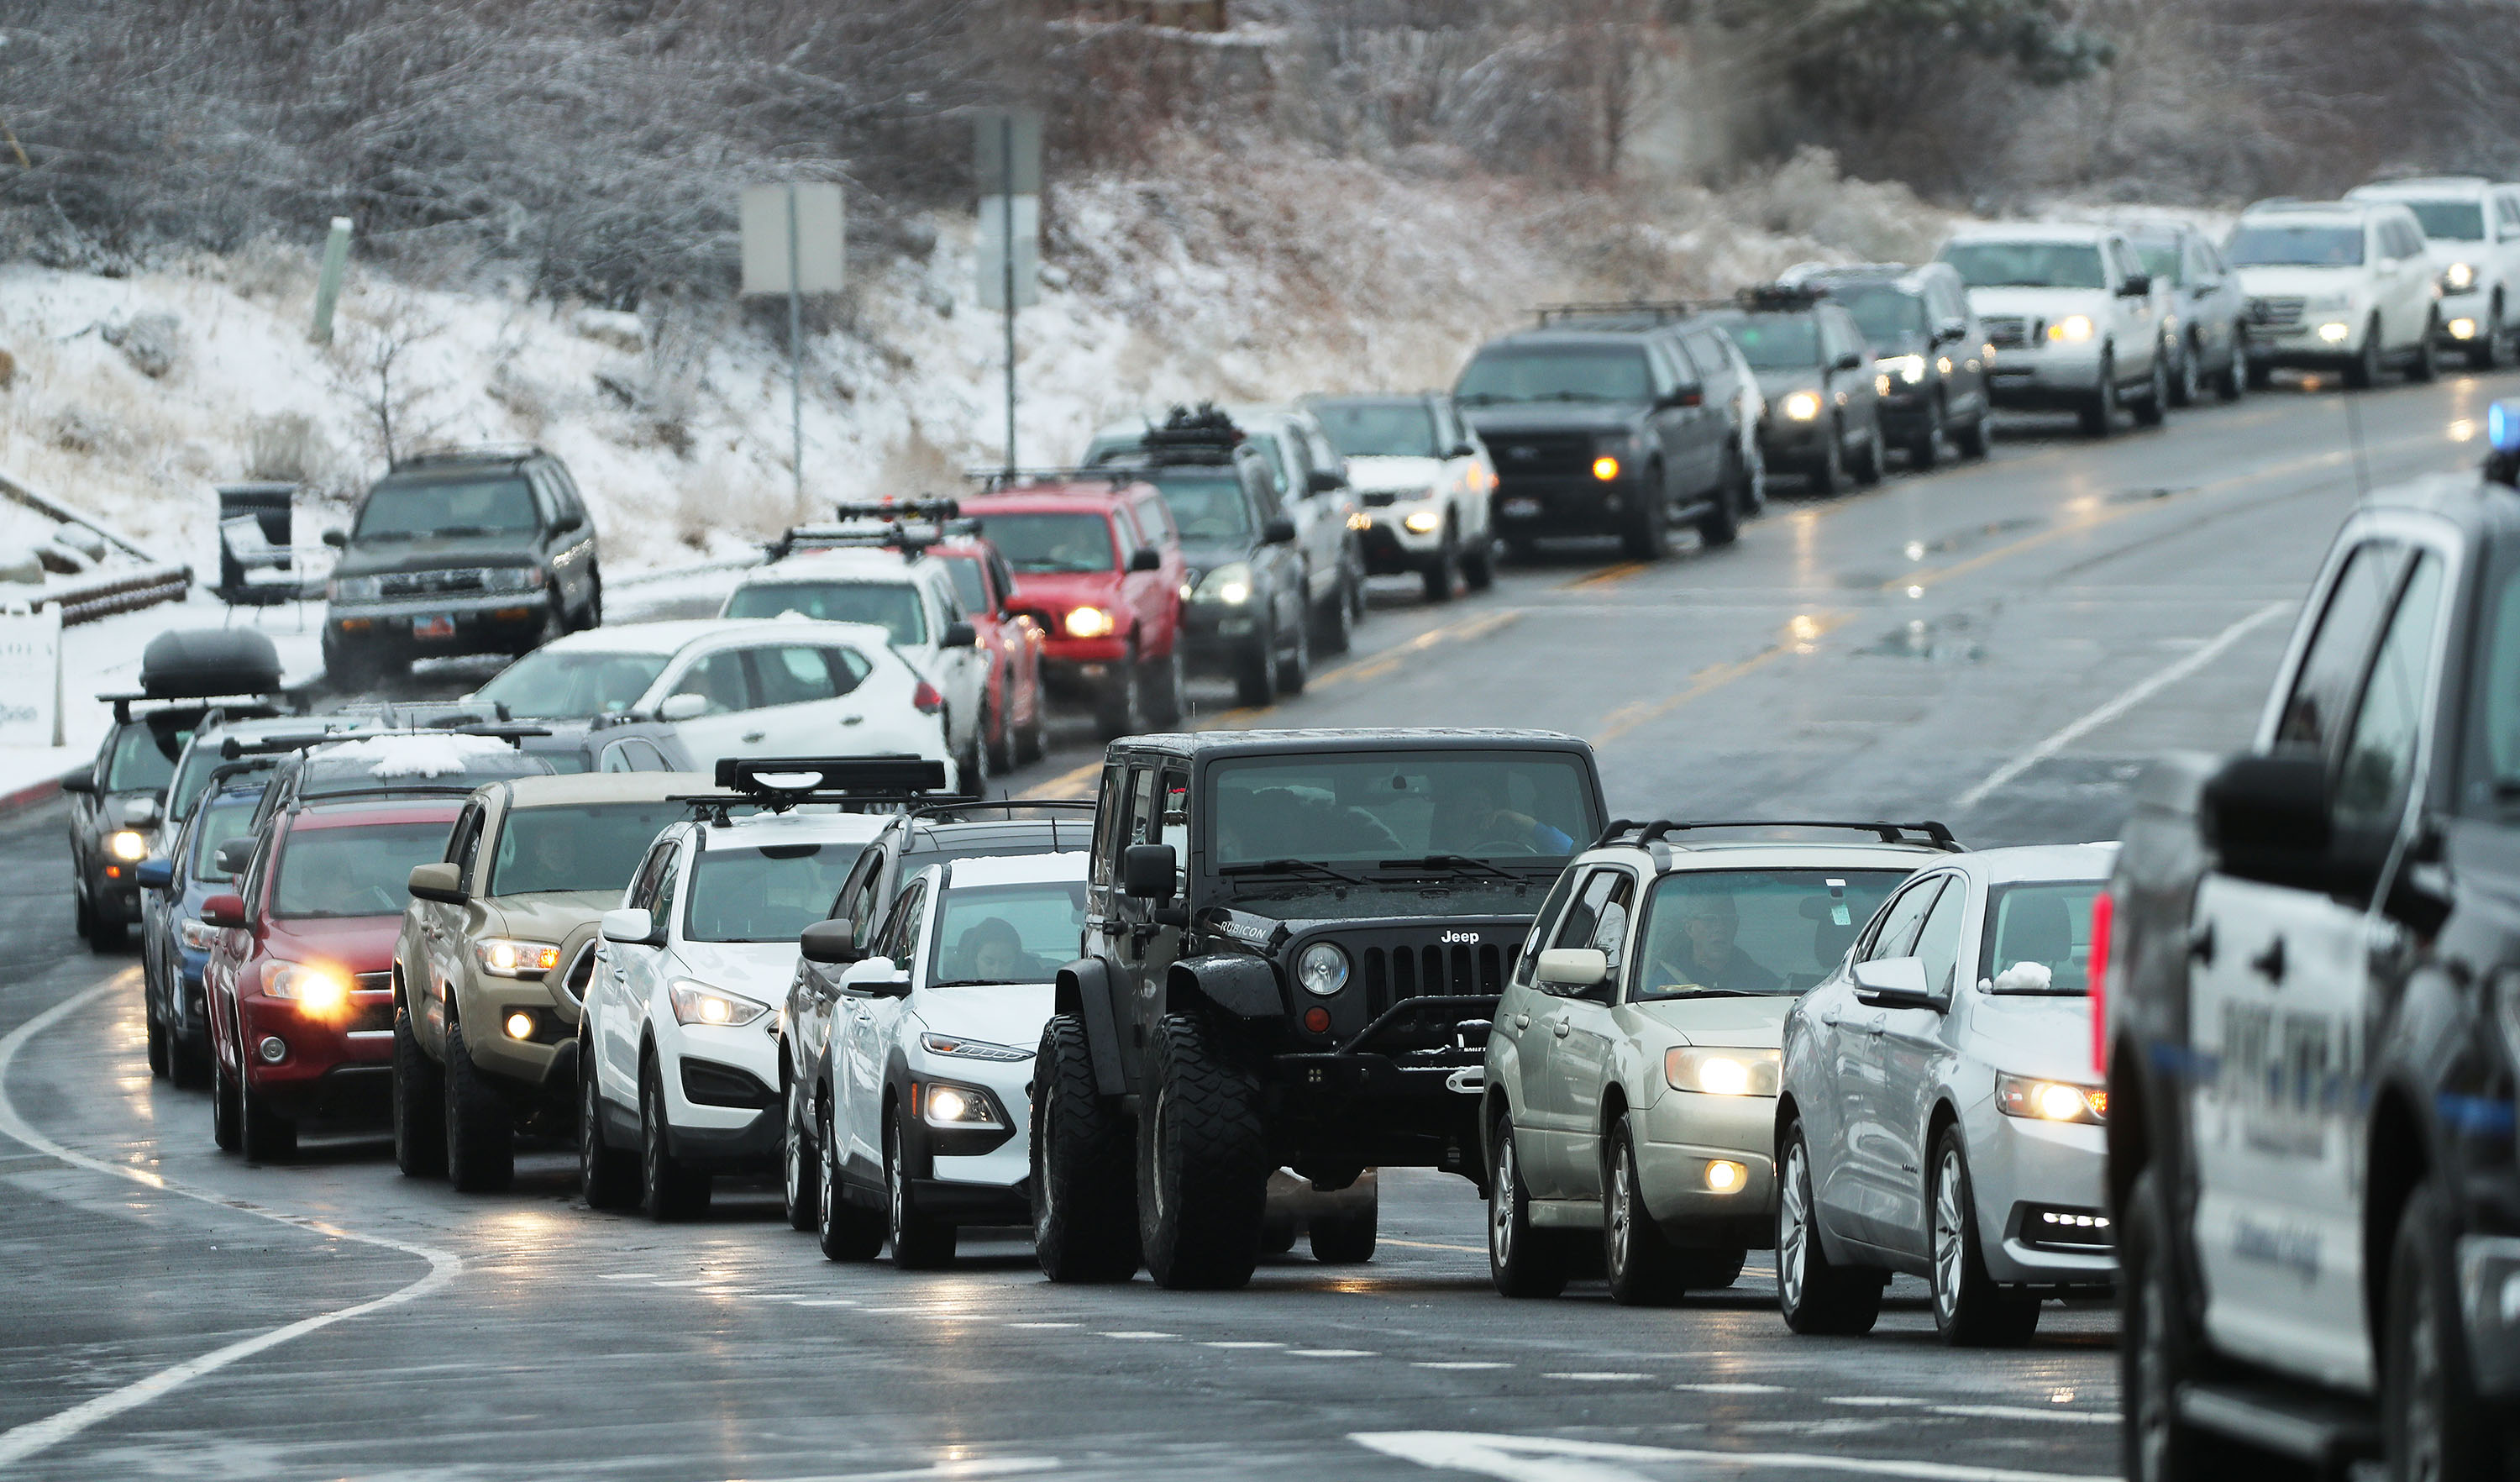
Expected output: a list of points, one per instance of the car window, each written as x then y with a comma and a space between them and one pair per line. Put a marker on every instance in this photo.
1155, 520
1599, 918
1551, 373
582, 847
1007, 933
2027, 264
1274, 457
1380, 429
1753, 930
2038, 937
642, 894
1938, 942
553, 684
1054, 542
669, 872
218, 824
142, 757
1368, 807
2380, 754
1543, 925
1780, 342
634, 755
791, 674
901, 929
892, 605
446, 509
2323, 689
1207, 505
971, 582
719, 679
1901, 921
465, 841
763, 893
1145, 820
351, 869
1108, 822
1173, 823
2268, 243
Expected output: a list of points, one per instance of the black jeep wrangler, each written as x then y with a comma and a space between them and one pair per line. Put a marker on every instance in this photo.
1293, 943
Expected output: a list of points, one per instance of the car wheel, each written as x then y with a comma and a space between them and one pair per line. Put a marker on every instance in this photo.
2187, 387
1256, 668
227, 1111
2434, 1426
1828, 477
2156, 1354
1722, 525
1818, 1295
1162, 683
800, 1174
2155, 406
1647, 536
668, 1188
481, 1139
1867, 468
606, 1176
1000, 728
1085, 1191
1977, 439
1927, 450
263, 1135
1637, 1261
2239, 376
919, 1241
1443, 570
2486, 354
160, 1059
1712, 1270
2425, 367
1277, 1234
1356, 579
1119, 709
1478, 563
2363, 372
1295, 668
188, 1064
419, 1104
1970, 1310
1032, 739
1334, 622
347, 670
844, 1231
1202, 1162
102, 934
971, 767
592, 616
2099, 412
1346, 1238
1522, 1262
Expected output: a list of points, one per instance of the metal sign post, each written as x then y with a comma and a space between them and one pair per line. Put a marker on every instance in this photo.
328, 279
795, 241
1007, 160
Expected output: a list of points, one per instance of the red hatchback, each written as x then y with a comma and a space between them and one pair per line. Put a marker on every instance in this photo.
1097, 563
299, 982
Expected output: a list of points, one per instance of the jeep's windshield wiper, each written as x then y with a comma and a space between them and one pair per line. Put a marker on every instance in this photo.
1458, 864
1290, 866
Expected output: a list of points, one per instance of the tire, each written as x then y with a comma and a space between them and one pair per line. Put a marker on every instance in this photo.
1712, 1270
2187, 388
1478, 563
844, 1231
971, 767
161, 1059
1346, 1238
1160, 681
187, 1066
1927, 450
1443, 572
2239, 376
919, 1241
263, 1135
2425, 368
1643, 1268
668, 1188
1868, 469
1084, 1183
1979, 439
1277, 1234
419, 1104
1202, 1162
2260, 377
2154, 409
1295, 668
2433, 1425
1817, 1296
1647, 536
800, 1175
1970, 1310
1722, 525
592, 616
1522, 1262
102, 936
1033, 738
1334, 622
347, 670
1002, 749
227, 1109
481, 1137
2363, 372
606, 1176
1119, 709
1827, 478
2099, 414
2486, 353
1255, 669
2156, 1353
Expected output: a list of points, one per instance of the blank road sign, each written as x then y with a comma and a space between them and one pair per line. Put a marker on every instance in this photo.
820, 241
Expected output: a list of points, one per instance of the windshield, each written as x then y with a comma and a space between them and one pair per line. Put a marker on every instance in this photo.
1565, 373
2038, 937
142, 757
1369, 808
1207, 505
192, 778
1047, 543
1778, 341
2027, 264
1378, 428
1007, 933
2296, 246
2449, 220
892, 606
415, 510
767, 893
1754, 930
553, 685
2160, 258
223, 822
591, 846
1889, 316
353, 870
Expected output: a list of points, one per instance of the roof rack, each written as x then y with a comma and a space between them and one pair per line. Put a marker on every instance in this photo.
122, 703
909, 526
1926, 832
225, 770
998, 480
766, 781
488, 452
512, 733
1648, 310
1205, 435
1780, 297
951, 812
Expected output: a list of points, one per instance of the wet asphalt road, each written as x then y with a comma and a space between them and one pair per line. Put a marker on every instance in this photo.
1996, 645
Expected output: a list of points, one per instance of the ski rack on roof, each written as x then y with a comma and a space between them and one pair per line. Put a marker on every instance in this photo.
123, 701
998, 480
764, 781
1650, 310
455, 454
909, 526
1201, 436
226, 770
234, 746
1780, 298
1927, 831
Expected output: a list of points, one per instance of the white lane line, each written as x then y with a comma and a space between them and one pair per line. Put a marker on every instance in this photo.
1459, 1364
627, 1276
1551, 1459
1137, 1335
1043, 1325
24, 1441
982, 1467
2142, 690
2027, 1412
1329, 1353
1240, 1343
1882, 1401
1598, 1377
827, 1302
1731, 1389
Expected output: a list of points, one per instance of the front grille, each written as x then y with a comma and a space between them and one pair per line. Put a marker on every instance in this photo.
373, 983
1541, 455
1379, 498
429, 583
1397, 972
2276, 313
2008, 332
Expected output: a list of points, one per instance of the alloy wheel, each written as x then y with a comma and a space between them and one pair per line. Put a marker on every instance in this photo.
1794, 1227
1623, 1219
1500, 1204
1950, 1238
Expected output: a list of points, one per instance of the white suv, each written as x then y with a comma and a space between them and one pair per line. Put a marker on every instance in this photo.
2472, 235
2336, 286
2074, 319
678, 1051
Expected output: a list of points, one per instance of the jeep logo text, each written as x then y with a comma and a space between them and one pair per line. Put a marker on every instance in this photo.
1451, 937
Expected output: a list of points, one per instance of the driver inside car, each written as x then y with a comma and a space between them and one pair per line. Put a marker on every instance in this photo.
993, 952
1702, 953
1484, 819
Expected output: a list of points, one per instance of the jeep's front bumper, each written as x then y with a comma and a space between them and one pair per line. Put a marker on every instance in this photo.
1404, 1093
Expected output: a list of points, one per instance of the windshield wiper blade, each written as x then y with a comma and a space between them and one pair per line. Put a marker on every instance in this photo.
1667, 996
1458, 863
1290, 866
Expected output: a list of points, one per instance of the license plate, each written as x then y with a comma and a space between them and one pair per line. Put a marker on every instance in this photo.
436, 626
1521, 509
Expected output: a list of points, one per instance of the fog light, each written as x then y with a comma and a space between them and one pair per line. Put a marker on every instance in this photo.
1605, 468
273, 1050
1726, 1177
520, 1026
1317, 1020
2335, 334
1360, 521
2463, 328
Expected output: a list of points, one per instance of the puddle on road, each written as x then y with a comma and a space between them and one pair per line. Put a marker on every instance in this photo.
2142, 496
1940, 639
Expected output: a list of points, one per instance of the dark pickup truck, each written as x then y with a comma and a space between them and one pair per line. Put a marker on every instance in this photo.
2312, 1024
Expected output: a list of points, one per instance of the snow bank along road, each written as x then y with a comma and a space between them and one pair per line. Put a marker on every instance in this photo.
1998, 646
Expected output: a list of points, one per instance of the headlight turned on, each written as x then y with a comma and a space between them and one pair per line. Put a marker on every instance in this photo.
1907, 368
2073, 327
127, 844
956, 1107
971, 1050
503, 957
1087, 622
1715, 1070
2021, 1095
1801, 406
700, 1004
1423, 521
319, 991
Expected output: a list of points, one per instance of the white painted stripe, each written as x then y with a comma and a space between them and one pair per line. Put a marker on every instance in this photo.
1459, 1364
829, 1302
1550, 1458
1872, 1400
24, 1441
627, 1276
1240, 1343
2136, 694
1137, 1335
1330, 1353
1598, 1377
2028, 1413
982, 1467
1731, 1389
1041, 1324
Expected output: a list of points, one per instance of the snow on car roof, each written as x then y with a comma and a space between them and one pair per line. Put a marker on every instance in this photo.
877, 564
392, 758
673, 636
799, 827
1019, 868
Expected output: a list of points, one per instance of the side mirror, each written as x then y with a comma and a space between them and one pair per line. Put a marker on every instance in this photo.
959, 636
876, 978
2137, 285
832, 941
1851, 360
154, 874
140, 813
1686, 397
223, 910
1950, 331
2267, 818
1464, 450
338, 539
630, 925
1146, 871
441, 882
1897, 982
1147, 558
233, 856
1279, 531
682, 706
1573, 967
81, 780
1329, 480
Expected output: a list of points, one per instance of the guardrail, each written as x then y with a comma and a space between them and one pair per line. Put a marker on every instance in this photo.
103, 593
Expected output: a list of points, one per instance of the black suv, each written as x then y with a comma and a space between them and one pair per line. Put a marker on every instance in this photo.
2312, 1028
1816, 369
470, 551
1294, 941
1930, 352
1603, 421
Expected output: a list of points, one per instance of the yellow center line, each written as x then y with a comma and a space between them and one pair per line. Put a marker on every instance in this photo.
1069, 784
1468, 1250
1605, 576
1799, 637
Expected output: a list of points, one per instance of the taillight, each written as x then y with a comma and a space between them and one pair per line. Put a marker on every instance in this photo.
2103, 915
926, 699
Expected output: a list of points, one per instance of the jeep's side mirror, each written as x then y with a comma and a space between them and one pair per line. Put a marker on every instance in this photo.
1146, 871
683, 707
835, 941
630, 925
876, 978
1147, 558
440, 881
2267, 818
1326, 481
1895, 982
1573, 966
2137, 285
959, 636
233, 856
81, 780
154, 874
337, 539
1279, 531
223, 910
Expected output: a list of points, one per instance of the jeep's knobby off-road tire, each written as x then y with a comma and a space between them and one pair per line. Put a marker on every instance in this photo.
480, 1139
608, 1176
1523, 1262
1085, 1192
419, 1104
1202, 1161
1817, 1295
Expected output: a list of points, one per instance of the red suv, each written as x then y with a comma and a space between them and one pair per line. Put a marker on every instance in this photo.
1013, 638
299, 982
1097, 563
